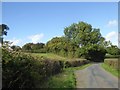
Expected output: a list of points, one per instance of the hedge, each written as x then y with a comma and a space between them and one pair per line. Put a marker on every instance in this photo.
113, 63
24, 71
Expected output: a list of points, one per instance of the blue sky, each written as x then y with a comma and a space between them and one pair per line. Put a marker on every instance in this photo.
40, 22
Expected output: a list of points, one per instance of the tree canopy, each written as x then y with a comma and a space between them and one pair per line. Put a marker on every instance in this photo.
3, 31
31, 47
89, 39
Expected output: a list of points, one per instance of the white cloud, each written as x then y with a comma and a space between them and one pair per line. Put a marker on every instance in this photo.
112, 23
113, 37
14, 41
36, 38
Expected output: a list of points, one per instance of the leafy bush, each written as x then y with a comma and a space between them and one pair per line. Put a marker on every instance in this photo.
21, 70
113, 50
34, 48
95, 53
24, 71
112, 56
113, 63
75, 63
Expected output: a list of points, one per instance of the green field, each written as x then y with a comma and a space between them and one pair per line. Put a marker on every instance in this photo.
52, 56
48, 56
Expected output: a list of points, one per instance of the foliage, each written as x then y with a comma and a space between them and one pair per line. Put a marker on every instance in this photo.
95, 53
111, 65
114, 63
66, 79
34, 48
16, 48
61, 46
21, 70
111, 56
113, 50
75, 63
24, 71
50, 56
92, 44
3, 31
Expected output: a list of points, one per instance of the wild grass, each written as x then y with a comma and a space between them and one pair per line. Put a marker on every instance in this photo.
110, 68
66, 79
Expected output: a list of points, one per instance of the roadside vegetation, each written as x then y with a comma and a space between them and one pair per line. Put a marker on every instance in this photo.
66, 79
112, 66
23, 71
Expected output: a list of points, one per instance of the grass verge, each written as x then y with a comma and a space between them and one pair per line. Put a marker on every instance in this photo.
66, 79
111, 70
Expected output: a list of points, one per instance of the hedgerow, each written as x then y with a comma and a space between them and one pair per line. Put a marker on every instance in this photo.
24, 71
113, 63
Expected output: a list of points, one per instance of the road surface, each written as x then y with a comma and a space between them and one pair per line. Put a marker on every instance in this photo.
95, 76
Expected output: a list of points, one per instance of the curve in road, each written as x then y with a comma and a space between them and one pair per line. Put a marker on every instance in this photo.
95, 77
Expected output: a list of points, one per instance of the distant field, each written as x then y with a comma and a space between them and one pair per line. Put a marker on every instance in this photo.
53, 56
48, 56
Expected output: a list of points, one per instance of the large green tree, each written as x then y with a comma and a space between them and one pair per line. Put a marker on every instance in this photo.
31, 47
61, 46
92, 44
113, 50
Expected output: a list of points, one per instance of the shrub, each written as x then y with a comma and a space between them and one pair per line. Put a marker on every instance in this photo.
75, 63
113, 63
112, 56
24, 71
95, 53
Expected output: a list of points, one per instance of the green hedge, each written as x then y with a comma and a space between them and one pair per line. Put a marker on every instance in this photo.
23, 71
113, 63
75, 63
112, 56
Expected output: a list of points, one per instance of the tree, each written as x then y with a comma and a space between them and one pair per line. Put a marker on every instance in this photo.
27, 47
31, 47
61, 46
3, 31
16, 48
90, 40
113, 50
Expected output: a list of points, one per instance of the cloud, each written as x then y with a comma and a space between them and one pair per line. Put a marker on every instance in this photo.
36, 38
112, 23
14, 41
113, 37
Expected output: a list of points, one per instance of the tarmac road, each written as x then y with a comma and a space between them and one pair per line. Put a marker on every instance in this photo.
95, 76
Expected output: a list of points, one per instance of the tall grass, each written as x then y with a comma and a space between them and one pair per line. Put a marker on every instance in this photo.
112, 66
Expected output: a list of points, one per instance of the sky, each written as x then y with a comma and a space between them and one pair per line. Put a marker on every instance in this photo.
41, 21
